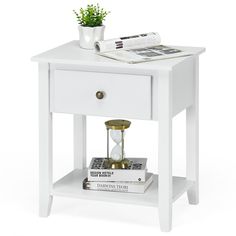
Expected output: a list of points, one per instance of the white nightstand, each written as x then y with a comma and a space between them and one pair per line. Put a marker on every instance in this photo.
69, 78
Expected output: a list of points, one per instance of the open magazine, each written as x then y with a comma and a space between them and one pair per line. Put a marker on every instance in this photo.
137, 48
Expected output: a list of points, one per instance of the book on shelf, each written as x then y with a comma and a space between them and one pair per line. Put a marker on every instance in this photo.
119, 186
138, 48
136, 171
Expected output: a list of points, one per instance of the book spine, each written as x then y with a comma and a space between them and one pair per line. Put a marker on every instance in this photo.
117, 175
113, 187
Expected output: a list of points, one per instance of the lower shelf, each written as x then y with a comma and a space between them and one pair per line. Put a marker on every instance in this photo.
71, 186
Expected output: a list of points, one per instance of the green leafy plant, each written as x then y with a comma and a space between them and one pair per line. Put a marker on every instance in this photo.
91, 16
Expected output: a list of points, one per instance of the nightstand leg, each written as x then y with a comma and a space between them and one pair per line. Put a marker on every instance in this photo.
45, 142
165, 151
192, 146
79, 141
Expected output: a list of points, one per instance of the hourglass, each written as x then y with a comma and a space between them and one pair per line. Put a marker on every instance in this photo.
116, 159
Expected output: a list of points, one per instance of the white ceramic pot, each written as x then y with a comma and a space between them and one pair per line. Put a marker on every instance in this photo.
89, 35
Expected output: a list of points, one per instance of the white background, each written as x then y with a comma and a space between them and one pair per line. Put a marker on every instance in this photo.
30, 27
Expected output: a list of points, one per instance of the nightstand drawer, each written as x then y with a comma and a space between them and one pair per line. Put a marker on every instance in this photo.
102, 94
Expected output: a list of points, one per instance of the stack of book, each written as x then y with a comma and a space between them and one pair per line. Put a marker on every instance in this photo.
134, 179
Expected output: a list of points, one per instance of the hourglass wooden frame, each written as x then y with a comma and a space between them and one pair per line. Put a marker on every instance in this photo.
117, 125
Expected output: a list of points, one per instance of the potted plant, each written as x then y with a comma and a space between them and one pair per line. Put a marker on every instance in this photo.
91, 28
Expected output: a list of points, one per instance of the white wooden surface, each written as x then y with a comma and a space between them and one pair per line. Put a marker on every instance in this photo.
71, 54
75, 92
45, 142
164, 89
71, 186
164, 108
79, 142
182, 85
192, 149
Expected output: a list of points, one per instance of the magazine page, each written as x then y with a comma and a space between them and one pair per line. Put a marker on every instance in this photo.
128, 42
146, 54
137, 48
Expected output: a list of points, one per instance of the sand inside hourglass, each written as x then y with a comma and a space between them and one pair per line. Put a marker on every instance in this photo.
116, 152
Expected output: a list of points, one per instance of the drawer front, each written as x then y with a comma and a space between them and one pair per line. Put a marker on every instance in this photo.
124, 95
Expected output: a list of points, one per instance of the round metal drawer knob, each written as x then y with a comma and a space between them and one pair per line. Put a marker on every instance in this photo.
100, 94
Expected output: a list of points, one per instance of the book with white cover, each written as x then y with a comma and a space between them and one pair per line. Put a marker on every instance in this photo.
138, 48
124, 187
136, 170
